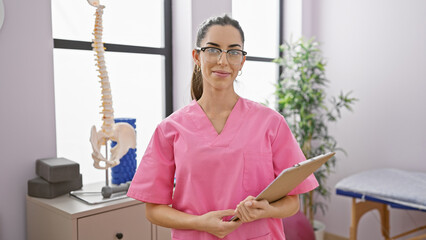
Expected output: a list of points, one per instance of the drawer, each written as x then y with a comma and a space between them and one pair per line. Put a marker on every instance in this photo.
130, 222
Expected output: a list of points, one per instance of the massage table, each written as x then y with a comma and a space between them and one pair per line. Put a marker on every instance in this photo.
379, 189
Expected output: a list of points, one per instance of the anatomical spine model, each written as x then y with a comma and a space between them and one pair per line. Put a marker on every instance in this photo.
122, 133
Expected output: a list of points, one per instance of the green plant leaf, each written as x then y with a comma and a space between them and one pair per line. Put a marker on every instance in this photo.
303, 102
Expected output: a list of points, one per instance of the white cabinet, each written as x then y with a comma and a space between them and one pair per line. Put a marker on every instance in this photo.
67, 218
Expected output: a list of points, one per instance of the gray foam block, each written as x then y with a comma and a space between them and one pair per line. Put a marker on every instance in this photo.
56, 170
39, 187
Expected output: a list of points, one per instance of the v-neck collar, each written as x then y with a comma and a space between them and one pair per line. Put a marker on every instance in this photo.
232, 125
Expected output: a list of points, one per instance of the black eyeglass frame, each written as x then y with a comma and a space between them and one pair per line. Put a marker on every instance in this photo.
221, 50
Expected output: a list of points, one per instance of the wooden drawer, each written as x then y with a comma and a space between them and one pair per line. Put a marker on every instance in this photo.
129, 221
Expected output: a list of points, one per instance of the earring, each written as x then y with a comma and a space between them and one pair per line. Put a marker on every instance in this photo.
197, 67
240, 73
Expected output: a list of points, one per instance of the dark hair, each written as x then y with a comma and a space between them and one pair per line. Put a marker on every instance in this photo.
197, 79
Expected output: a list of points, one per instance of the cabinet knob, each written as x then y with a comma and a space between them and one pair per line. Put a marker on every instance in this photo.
119, 235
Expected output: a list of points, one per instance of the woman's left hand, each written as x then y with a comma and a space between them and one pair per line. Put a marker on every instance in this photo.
250, 210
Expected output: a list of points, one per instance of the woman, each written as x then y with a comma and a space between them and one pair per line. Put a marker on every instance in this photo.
223, 150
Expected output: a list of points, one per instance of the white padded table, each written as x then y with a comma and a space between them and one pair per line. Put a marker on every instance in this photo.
379, 188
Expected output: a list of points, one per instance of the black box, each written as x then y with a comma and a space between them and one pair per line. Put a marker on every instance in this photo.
56, 170
39, 187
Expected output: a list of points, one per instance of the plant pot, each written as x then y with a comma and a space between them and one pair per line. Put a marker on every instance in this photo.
319, 230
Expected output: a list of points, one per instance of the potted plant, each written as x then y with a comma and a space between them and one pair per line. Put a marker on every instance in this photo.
303, 102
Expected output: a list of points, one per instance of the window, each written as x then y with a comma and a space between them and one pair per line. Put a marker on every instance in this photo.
136, 34
261, 23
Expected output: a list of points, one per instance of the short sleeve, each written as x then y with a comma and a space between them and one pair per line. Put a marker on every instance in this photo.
286, 153
153, 181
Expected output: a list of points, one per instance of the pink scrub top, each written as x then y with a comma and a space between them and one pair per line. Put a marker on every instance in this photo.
216, 171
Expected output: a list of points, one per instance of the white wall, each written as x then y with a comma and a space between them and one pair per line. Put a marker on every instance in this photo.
27, 123
377, 49
292, 19
182, 49
187, 16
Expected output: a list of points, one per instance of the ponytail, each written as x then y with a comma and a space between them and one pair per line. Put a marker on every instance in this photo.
196, 83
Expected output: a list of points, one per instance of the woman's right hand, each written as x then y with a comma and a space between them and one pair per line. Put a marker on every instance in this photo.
212, 222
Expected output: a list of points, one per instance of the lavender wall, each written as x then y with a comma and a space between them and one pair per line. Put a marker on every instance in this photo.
377, 49
27, 123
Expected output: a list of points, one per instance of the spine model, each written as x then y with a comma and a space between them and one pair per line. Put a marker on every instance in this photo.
98, 47
122, 133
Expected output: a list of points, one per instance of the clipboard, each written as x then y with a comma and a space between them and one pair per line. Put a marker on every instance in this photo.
290, 178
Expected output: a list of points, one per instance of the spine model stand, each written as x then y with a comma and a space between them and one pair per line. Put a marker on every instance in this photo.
122, 133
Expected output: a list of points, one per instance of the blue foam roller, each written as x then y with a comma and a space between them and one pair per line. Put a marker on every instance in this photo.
125, 171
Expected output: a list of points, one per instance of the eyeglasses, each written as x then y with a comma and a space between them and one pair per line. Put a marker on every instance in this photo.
213, 54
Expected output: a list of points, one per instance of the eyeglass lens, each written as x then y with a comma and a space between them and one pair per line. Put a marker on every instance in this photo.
234, 57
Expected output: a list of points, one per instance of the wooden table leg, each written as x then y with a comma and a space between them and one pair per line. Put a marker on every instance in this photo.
360, 208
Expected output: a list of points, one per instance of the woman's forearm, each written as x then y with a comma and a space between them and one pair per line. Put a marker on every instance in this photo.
285, 207
169, 217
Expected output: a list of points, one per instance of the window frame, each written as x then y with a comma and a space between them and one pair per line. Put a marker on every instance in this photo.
165, 51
